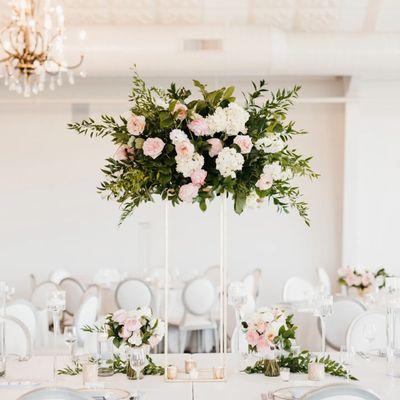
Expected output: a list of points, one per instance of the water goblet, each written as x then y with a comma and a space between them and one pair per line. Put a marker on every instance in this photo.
70, 338
369, 333
138, 360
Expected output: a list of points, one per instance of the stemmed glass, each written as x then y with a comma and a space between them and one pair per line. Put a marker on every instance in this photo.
324, 308
237, 298
138, 360
369, 333
70, 338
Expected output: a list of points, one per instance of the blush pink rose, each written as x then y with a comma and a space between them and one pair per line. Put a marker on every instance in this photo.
136, 124
261, 327
125, 333
132, 324
262, 343
244, 142
180, 110
199, 177
367, 279
184, 148
265, 182
153, 147
120, 316
216, 147
154, 340
252, 337
199, 127
123, 153
188, 192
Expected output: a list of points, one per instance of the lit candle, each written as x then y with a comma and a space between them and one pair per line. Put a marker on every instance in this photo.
89, 373
316, 371
172, 372
218, 372
190, 365
285, 374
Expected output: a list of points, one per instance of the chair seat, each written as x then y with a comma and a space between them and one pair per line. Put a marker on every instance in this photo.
193, 322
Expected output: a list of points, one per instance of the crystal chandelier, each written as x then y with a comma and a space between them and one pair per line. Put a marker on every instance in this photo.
33, 43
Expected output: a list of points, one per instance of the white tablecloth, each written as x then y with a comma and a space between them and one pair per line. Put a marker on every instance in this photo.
241, 386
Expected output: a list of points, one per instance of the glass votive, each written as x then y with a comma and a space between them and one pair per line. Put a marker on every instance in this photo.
172, 372
218, 372
316, 371
190, 365
89, 373
194, 374
285, 374
346, 355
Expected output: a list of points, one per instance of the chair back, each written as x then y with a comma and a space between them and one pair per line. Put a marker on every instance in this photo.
74, 292
345, 309
355, 334
17, 338
198, 296
213, 274
25, 312
324, 280
252, 282
132, 293
58, 275
40, 293
351, 391
106, 277
297, 289
86, 315
54, 393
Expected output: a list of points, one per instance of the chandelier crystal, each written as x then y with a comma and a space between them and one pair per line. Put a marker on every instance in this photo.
33, 44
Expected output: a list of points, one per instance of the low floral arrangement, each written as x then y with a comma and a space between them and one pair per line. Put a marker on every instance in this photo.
268, 329
189, 149
127, 329
361, 277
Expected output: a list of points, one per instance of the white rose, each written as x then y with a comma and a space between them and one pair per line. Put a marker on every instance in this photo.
274, 169
135, 339
270, 144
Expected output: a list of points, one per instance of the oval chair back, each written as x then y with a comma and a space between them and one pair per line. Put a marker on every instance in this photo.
74, 292
17, 338
132, 293
86, 315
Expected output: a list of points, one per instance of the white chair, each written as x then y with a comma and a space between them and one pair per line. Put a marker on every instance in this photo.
213, 274
345, 309
252, 282
324, 280
74, 292
198, 298
54, 394
39, 295
18, 340
132, 293
297, 289
86, 315
351, 391
25, 312
355, 334
58, 275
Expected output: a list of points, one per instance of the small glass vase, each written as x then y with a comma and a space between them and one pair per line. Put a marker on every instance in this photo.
130, 372
271, 367
105, 351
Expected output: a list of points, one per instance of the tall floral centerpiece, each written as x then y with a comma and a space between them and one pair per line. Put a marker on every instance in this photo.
189, 149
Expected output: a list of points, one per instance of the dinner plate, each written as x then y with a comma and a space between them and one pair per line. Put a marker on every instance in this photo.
292, 392
107, 394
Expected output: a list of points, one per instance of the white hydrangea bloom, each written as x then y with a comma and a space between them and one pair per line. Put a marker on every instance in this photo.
274, 169
228, 162
177, 135
236, 118
270, 144
187, 165
217, 122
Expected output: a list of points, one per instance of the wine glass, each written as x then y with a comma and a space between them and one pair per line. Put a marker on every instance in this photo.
138, 360
369, 333
70, 338
324, 308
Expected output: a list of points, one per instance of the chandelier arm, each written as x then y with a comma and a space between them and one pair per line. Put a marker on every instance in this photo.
78, 64
5, 59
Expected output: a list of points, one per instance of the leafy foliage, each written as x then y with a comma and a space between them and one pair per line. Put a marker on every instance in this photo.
138, 178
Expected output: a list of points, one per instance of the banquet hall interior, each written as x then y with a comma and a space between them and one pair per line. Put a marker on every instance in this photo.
132, 246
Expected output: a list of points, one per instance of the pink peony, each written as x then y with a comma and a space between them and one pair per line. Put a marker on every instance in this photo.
184, 148
123, 152
188, 192
244, 142
180, 110
125, 333
252, 337
120, 316
199, 127
136, 124
262, 343
216, 147
153, 147
199, 177
132, 324
265, 182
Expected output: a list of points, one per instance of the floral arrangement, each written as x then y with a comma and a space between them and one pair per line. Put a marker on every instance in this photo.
361, 277
134, 328
268, 329
189, 149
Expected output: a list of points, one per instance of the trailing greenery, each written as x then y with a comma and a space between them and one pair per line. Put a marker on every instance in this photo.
136, 178
300, 363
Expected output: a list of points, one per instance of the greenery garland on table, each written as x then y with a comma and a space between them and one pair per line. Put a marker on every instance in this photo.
300, 363
195, 149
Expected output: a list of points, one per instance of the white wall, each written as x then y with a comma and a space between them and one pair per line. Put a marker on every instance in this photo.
51, 215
